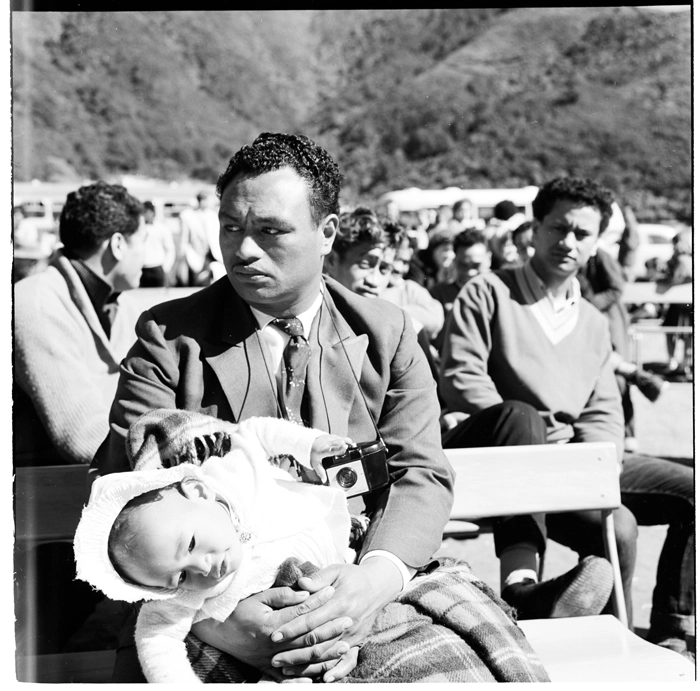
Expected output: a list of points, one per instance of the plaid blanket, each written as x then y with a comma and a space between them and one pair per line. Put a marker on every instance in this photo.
447, 626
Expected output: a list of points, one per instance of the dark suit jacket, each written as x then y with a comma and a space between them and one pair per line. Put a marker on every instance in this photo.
203, 353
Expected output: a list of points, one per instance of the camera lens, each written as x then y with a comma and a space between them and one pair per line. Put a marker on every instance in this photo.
346, 477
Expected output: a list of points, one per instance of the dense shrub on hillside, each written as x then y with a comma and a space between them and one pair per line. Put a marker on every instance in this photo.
472, 97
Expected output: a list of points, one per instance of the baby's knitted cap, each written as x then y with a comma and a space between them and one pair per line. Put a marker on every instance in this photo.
109, 495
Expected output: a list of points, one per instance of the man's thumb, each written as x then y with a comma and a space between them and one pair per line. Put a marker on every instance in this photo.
318, 580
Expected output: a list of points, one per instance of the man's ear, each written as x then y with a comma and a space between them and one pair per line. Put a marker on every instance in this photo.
192, 488
117, 245
329, 228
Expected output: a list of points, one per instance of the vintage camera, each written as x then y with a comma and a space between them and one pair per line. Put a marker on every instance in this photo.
361, 469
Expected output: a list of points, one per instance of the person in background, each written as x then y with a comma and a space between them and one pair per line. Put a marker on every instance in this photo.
425, 311
629, 242
522, 239
199, 259
678, 270
504, 253
529, 361
506, 217
602, 283
433, 264
159, 252
31, 249
362, 255
362, 260
472, 257
443, 215
70, 331
461, 216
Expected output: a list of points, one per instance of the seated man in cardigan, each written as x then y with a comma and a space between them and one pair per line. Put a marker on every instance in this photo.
529, 361
70, 331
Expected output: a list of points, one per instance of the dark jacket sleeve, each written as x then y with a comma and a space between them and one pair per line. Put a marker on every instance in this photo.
148, 380
410, 517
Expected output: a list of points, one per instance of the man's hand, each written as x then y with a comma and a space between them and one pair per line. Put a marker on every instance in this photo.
246, 633
360, 592
327, 445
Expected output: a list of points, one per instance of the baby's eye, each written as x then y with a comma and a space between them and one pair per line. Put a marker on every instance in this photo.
191, 547
182, 579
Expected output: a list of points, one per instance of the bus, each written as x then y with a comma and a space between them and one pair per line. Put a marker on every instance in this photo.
43, 201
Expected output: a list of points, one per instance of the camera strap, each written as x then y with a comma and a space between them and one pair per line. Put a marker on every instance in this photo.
347, 357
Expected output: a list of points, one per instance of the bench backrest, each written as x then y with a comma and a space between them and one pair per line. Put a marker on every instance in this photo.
640, 292
490, 482
552, 478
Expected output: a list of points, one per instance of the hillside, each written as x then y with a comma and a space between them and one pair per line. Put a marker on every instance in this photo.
473, 97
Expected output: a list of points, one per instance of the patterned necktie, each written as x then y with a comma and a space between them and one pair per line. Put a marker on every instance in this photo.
296, 358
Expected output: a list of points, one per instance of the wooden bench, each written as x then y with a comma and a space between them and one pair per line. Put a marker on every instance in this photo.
490, 482
556, 478
48, 503
639, 292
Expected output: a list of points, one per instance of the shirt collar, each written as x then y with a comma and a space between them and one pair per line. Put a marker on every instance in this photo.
99, 291
540, 290
306, 318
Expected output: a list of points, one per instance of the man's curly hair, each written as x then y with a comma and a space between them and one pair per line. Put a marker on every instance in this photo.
94, 213
357, 227
582, 191
272, 151
468, 238
397, 234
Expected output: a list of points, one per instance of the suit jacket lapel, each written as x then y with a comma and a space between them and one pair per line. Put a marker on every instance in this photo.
235, 354
332, 387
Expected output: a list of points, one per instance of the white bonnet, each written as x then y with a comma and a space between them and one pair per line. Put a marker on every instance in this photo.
108, 497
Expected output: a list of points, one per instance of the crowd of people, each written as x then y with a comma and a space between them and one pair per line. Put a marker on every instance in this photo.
358, 326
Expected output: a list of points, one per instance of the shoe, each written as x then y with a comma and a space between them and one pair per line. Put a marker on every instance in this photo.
677, 645
581, 592
649, 384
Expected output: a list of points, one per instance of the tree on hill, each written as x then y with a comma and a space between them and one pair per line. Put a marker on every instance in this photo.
478, 97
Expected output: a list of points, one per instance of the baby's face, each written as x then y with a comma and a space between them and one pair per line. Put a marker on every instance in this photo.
183, 542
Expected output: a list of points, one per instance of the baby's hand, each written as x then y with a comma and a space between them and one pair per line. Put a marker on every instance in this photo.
327, 445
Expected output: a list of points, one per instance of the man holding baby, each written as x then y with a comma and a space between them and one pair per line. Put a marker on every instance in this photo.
275, 338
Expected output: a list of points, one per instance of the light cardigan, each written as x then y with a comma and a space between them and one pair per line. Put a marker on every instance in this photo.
64, 360
497, 348
284, 518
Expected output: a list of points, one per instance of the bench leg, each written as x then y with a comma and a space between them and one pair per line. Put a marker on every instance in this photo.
618, 602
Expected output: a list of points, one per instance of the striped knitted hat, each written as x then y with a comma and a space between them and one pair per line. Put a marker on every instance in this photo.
164, 438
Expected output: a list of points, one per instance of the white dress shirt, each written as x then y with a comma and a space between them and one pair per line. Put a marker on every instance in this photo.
275, 341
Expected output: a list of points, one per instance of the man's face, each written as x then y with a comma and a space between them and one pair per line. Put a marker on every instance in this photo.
273, 251
460, 213
365, 269
443, 255
471, 261
127, 274
400, 265
183, 542
564, 239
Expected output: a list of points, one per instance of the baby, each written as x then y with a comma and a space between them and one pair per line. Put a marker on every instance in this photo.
205, 520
